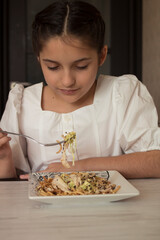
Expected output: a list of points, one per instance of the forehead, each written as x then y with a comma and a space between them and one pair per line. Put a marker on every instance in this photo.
66, 43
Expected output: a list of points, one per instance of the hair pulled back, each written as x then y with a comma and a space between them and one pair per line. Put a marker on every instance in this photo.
68, 18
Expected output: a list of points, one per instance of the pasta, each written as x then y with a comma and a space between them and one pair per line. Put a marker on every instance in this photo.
70, 144
79, 183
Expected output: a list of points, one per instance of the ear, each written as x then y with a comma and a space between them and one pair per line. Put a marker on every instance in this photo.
103, 55
39, 60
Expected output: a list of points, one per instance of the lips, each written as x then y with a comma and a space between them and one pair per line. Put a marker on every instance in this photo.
68, 91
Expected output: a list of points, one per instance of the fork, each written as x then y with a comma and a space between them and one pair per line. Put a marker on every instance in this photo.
32, 139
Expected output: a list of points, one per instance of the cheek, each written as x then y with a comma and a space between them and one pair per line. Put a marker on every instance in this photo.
90, 75
93, 73
87, 79
48, 75
43, 71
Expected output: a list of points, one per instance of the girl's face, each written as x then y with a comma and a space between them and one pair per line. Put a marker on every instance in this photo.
69, 69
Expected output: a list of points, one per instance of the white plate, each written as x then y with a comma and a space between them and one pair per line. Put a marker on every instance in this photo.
127, 190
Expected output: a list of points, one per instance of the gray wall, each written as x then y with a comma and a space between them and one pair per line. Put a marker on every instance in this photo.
151, 49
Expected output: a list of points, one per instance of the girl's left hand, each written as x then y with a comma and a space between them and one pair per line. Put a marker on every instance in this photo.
52, 167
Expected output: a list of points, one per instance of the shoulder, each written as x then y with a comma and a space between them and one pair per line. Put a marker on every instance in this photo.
13, 104
112, 84
19, 95
113, 81
15, 96
33, 93
34, 89
16, 90
128, 86
127, 81
107, 81
122, 88
19, 89
105, 85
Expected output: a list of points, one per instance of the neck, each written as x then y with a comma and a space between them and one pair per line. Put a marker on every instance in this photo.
51, 102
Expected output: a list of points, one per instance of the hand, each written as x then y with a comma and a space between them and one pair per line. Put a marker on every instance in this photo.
7, 168
57, 167
52, 167
5, 150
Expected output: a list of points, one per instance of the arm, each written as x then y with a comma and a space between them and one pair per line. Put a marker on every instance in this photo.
7, 169
15, 150
133, 165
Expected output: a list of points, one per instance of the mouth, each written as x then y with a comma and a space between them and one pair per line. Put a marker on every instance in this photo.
68, 91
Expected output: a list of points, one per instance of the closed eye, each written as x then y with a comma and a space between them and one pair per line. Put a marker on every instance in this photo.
53, 68
82, 67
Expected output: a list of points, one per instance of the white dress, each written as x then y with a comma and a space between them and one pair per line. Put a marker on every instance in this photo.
122, 119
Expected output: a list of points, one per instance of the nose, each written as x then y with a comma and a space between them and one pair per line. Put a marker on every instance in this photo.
68, 79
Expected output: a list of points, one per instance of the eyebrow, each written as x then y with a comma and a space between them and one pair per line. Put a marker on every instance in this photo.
78, 60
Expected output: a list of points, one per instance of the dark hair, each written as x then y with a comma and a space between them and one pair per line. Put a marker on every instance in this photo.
71, 18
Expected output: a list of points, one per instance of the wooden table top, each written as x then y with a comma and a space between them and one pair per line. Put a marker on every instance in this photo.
135, 218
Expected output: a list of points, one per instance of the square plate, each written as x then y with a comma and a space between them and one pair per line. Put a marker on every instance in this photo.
127, 190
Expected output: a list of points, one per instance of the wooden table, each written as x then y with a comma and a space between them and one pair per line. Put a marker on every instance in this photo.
136, 218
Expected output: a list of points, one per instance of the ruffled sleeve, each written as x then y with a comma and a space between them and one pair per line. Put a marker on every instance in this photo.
10, 122
137, 118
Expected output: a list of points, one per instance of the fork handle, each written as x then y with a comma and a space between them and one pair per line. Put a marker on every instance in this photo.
18, 134
25, 136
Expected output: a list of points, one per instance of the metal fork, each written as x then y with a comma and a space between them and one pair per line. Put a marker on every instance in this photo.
32, 139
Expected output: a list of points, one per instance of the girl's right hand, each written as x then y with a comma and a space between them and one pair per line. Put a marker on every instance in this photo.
5, 149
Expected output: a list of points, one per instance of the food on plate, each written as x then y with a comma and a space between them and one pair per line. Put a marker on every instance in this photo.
70, 145
78, 183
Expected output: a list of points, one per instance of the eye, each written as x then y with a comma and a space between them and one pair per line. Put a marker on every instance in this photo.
82, 67
53, 68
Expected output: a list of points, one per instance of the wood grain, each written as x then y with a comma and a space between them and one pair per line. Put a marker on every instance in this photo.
130, 219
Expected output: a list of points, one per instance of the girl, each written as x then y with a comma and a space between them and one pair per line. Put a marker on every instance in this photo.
114, 118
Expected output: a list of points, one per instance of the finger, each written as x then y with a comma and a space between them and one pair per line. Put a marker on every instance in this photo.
4, 140
2, 134
55, 167
24, 176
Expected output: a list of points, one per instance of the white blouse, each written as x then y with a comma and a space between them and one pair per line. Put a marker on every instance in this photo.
122, 119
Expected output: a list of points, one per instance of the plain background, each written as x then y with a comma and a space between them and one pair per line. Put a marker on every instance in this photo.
151, 49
